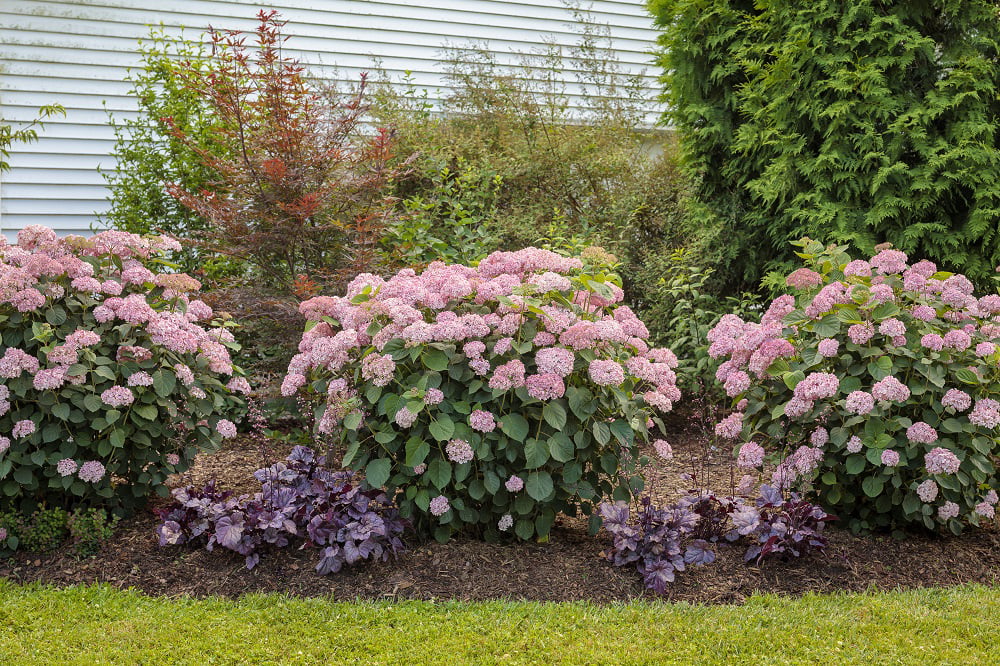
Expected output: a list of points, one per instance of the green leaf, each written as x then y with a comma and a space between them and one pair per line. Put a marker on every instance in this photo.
435, 359
854, 464
377, 472
539, 485
524, 529
117, 438
581, 402
602, 433
536, 453
92, 403
352, 421
873, 486
561, 447
416, 451
967, 376
623, 432
515, 426
164, 382
792, 379
148, 412
442, 428
555, 415
439, 472
61, 411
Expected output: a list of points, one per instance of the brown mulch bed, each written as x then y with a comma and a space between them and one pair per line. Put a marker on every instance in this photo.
568, 568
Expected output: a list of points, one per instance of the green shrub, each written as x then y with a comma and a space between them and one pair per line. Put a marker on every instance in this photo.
877, 387
114, 374
90, 529
586, 167
148, 155
493, 398
860, 122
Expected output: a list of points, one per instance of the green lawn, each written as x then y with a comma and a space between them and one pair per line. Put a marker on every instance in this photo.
90, 625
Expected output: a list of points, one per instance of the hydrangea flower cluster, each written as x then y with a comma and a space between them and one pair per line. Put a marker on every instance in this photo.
898, 365
109, 368
450, 383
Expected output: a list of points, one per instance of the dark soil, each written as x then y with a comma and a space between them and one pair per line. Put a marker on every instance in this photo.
568, 568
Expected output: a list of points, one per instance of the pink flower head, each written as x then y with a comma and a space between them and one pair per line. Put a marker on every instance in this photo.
226, 428
117, 396
514, 484
173, 459
23, 428
927, 491
459, 451
433, 396
737, 382
948, 510
957, 339
663, 449
985, 349
547, 386
555, 360
890, 458
857, 268
803, 278
730, 427
957, 400
819, 437
91, 471
861, 333
817, 386
751, 455
892, 327
482, 421
66, 467
828, 347
924, 313
606, 373
932, 341
439, 505
921, 433
859, 402
889, 262
941, 461
985, 414
854, 444
405, 418
890, 389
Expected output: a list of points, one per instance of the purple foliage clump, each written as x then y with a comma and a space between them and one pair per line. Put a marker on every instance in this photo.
659, 542
299, 499
781, 528
663, 541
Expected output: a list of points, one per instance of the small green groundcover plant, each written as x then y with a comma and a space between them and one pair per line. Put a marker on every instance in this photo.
112, 374
876, 384
48, 528
492, 397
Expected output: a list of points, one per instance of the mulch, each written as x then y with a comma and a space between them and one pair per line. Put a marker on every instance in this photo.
567, 568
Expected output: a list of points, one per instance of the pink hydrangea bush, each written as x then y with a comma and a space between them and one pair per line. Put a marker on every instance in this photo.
493, 396
875, 385
112, 374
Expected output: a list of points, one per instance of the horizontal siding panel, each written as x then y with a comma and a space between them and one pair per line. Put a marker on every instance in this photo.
322, 23
78, 52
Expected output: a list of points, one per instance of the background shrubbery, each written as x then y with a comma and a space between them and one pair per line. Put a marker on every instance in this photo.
859, 122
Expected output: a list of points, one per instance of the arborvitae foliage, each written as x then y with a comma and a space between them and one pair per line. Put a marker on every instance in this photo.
860, 121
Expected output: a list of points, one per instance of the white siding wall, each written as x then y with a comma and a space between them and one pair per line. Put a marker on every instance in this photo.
76, 53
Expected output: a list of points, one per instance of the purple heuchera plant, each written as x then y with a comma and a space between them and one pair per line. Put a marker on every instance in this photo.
658, 542
299, 499
661, 542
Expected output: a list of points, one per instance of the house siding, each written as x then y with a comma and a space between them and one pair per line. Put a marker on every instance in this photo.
78, 53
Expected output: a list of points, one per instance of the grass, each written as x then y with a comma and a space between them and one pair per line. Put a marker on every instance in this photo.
99, 624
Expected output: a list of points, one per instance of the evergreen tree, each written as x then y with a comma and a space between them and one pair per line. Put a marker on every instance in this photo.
859, 121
